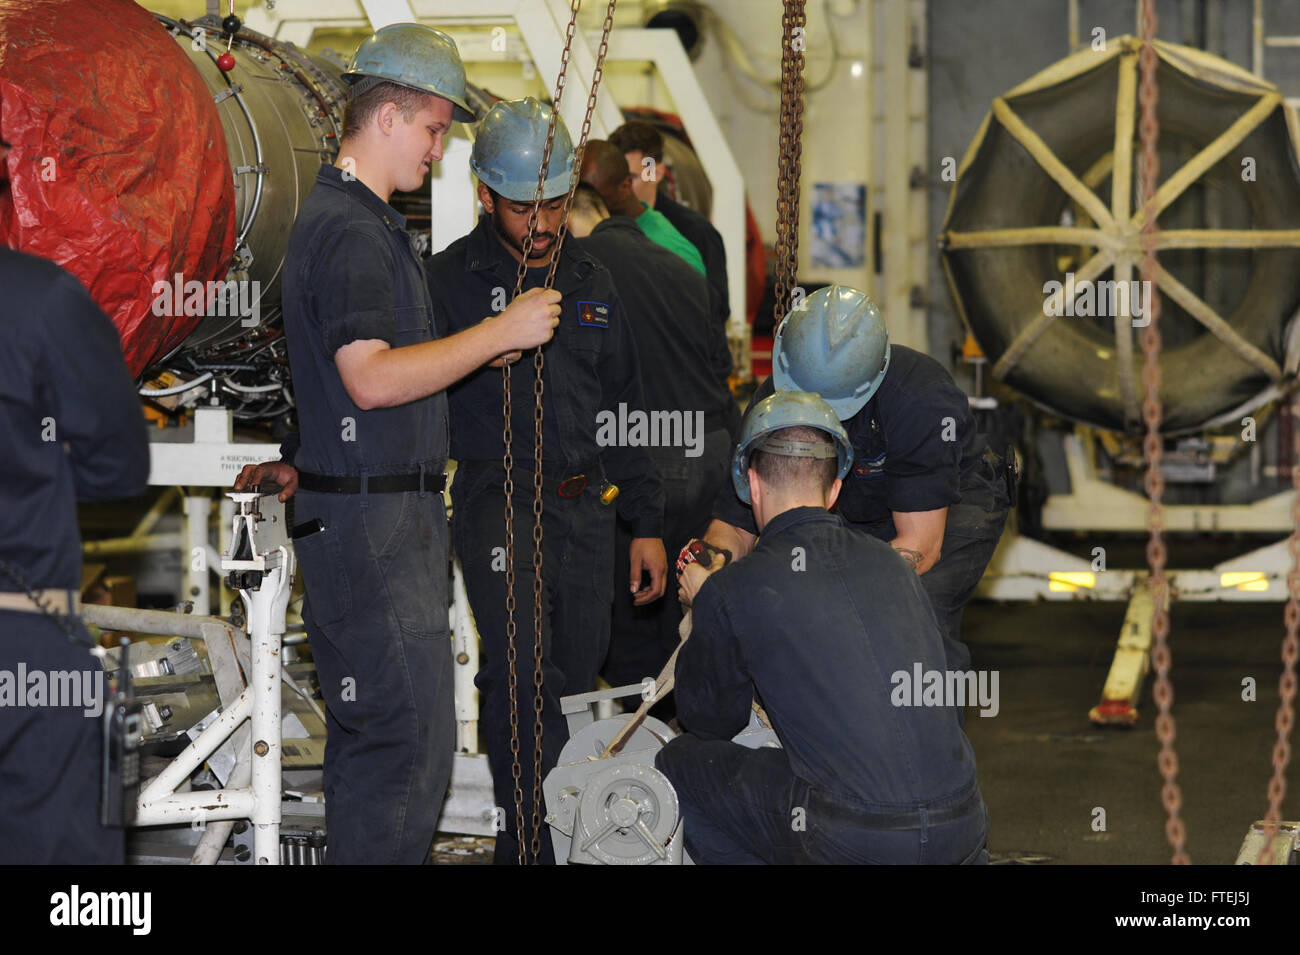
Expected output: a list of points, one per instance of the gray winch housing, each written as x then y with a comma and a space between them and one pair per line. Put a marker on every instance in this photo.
619, 810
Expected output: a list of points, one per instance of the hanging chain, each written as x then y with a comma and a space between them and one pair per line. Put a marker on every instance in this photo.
1152, 412
516, 771
793, 23
575, 177
533, 845
1290, 646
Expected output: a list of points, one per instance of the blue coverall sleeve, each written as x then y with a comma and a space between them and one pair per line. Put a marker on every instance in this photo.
96, 410
715, 262
714, 691
365, 307
923, 471
640, 501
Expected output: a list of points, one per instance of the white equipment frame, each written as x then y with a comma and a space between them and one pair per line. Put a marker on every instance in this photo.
542, 25
250, 715
213, 460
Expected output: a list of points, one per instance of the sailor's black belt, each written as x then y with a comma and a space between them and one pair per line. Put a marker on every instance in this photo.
829, 807
55, 599
434, 481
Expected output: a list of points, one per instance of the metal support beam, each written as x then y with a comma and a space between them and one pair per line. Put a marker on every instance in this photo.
465, 659
905, 256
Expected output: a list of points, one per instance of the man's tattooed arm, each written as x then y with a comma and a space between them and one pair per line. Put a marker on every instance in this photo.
913, 557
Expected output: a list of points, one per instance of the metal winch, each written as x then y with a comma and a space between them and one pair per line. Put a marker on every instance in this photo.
619, 809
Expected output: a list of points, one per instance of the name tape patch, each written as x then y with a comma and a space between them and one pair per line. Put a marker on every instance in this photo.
595, 314
873, 467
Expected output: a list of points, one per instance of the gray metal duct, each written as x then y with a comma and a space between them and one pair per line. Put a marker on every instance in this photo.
282, 112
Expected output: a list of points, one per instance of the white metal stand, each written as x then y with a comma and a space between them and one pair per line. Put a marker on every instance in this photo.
270, 561
213, 459
250, 715
464, 637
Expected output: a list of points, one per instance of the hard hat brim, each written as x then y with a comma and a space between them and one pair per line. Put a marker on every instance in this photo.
556, 186
844, 408
460, 111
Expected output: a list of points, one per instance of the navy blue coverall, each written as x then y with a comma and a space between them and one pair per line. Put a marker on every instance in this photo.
702, 234
377, 575
73, 431
818, 621
915, 448
667, 307
591, 366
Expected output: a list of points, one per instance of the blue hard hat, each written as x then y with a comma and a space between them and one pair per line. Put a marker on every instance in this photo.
417, 56
787, 409
508, 148
835, 344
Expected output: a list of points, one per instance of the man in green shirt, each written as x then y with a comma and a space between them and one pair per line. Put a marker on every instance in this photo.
605, 169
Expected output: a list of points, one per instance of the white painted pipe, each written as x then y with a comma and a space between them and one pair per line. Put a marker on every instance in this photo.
204, 745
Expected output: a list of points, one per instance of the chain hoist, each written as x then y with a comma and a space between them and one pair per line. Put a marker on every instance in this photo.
533, 846
1152, 412
790, 133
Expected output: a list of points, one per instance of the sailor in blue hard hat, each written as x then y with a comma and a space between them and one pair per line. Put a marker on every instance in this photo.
819, 622
370, 372
508, 148
787, 409
921, 476
408, 82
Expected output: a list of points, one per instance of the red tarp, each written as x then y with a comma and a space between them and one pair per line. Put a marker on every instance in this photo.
119, 168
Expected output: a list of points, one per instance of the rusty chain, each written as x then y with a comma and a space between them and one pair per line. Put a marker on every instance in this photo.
1290, 646
1152, 412
793, 24
533, 845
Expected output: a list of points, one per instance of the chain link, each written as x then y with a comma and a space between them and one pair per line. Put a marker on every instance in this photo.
1152, 412
65, 622
789, 166
1290, 649
532, 846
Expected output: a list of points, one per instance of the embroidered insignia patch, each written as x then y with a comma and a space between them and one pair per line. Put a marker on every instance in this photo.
595, 314
869, 468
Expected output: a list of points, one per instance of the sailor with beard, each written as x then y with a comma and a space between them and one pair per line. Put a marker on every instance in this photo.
590, 366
